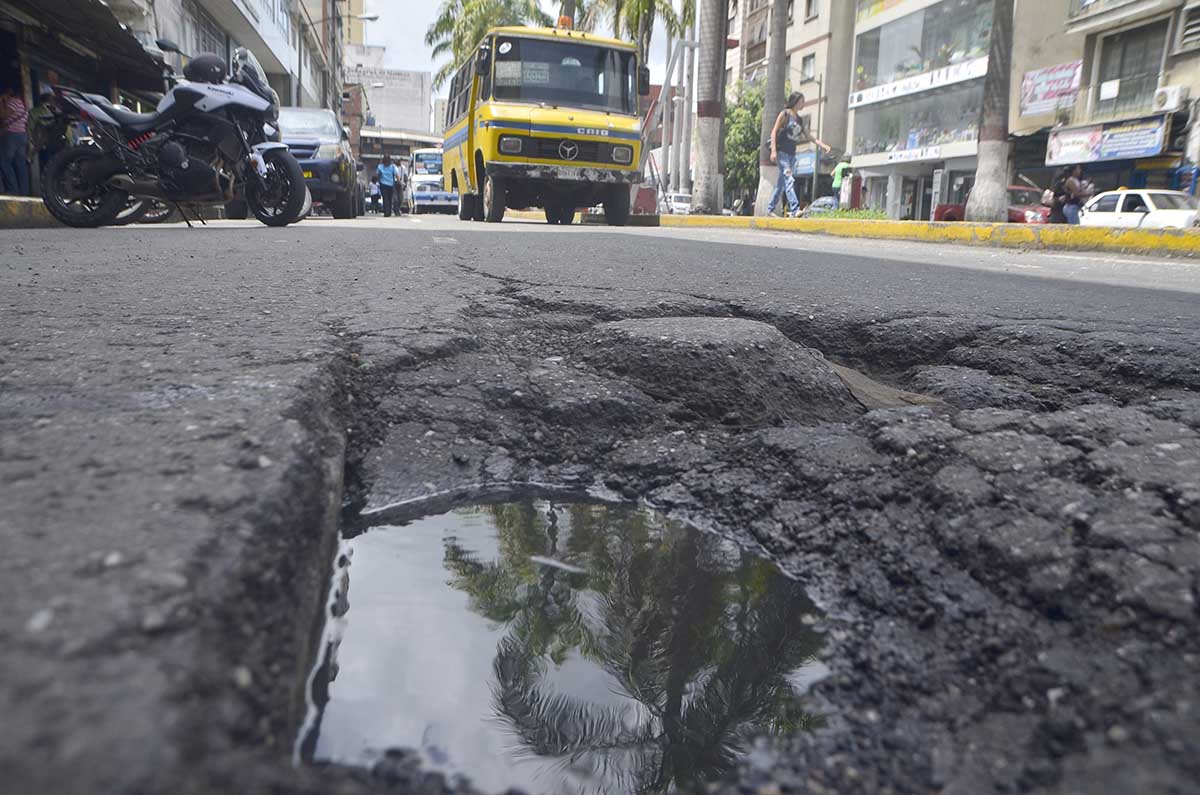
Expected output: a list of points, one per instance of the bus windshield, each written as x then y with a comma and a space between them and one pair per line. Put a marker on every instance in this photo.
427, 162
565, 73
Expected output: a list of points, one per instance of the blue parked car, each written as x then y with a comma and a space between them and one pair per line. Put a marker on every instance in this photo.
318, 141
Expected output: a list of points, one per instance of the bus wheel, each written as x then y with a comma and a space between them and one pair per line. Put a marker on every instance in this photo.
616, 206
466, 207
495, 193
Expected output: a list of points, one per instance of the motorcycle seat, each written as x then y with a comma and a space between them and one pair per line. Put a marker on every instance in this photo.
131, 120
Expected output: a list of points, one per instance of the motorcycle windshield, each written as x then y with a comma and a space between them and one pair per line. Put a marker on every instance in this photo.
247, 71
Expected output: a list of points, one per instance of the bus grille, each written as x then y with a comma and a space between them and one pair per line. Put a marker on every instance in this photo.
589, 151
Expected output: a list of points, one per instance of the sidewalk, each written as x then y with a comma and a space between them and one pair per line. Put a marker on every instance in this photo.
24, 212
1173, 242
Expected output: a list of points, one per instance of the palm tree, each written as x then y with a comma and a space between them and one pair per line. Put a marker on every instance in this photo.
768, 172
461, 24
989, 197
710, 69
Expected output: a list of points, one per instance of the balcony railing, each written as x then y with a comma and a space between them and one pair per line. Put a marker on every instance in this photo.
1132, 96
1079, 8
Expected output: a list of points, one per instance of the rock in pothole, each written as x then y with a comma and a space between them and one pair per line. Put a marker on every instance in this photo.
737, 371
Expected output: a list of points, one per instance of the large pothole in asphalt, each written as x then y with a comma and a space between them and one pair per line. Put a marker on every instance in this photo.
557, 647
729, 369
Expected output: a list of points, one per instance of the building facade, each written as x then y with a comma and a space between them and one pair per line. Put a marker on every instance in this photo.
399, 98
1126, 114
915, 99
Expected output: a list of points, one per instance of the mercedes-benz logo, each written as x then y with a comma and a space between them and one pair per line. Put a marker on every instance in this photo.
568, 150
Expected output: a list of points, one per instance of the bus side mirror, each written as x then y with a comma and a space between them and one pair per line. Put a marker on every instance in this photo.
483, 61
644, 81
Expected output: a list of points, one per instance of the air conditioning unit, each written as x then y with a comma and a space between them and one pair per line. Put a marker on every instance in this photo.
1170, 98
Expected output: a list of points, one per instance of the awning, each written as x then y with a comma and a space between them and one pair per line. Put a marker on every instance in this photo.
89, 28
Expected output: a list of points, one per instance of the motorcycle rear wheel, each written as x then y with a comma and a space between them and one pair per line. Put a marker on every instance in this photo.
69, 195
280, 200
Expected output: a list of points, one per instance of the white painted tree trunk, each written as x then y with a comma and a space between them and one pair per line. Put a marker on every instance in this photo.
773, 100
706, 196
988, 201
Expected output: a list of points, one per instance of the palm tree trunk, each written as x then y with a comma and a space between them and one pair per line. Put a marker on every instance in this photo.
989, 197
706, 196
773, 100
568, 10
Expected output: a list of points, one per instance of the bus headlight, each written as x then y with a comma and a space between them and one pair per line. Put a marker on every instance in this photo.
622, 154
510, 145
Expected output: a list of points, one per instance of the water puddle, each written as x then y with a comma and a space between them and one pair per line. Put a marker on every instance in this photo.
558, 648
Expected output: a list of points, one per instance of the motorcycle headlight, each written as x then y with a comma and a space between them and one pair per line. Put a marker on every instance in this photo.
622, 154
510, 145
327, 152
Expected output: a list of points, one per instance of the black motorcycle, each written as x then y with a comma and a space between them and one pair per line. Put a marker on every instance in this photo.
212, 140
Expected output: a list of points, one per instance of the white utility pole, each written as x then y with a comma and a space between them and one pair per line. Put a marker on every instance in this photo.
685, 140
664, 96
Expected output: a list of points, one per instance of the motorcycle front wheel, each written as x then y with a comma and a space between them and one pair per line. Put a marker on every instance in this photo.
277, 199
133, 212
72, 196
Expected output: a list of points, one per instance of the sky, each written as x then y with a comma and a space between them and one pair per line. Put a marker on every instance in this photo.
402, 23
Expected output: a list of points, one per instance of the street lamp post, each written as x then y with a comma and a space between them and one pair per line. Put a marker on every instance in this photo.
816, 151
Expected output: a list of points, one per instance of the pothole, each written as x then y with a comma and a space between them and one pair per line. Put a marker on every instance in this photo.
557, 646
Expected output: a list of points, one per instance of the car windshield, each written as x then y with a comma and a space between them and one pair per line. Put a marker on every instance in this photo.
1173, 201
309, 123
565, 73
1024, 196
681, 198
427, 163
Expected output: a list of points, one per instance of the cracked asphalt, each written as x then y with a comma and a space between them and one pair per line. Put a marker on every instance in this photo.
984, 466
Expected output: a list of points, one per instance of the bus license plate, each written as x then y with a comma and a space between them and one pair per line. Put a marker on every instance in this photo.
567, 172
308, 175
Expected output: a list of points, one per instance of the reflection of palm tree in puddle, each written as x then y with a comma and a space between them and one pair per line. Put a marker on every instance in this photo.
698, 636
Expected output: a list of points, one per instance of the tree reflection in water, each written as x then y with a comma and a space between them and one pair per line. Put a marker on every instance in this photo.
697, 636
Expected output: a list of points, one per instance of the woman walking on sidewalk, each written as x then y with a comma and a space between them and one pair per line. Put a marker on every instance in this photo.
789, 130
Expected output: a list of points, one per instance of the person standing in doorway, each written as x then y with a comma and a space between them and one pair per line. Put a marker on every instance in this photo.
388, 179
15, 144
839, 174
789, 131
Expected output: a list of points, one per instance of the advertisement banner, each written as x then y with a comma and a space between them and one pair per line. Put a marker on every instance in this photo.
869, 8
1047, 90
909, 155
1118, 140
947, 75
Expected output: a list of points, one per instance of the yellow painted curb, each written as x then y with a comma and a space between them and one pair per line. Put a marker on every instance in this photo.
19, 212
1179, 242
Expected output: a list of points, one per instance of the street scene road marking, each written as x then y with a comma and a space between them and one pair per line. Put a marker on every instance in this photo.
445, 241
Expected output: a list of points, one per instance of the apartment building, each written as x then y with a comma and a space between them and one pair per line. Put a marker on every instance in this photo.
399, 98
1127, 111
820, 38
915, 99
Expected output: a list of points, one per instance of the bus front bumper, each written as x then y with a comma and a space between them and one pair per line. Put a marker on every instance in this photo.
556, 173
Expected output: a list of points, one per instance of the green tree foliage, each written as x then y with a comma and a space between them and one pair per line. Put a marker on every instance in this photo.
743, 120
461, 24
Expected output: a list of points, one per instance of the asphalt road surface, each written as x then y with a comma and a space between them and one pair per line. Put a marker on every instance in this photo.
984, 466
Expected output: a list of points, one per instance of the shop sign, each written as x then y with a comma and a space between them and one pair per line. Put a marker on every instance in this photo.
1046, 90
947, 75
805, 163
869, 8
1117, 140
909, 155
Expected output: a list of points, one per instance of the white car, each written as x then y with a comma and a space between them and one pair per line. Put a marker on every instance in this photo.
679, 203
1140, 209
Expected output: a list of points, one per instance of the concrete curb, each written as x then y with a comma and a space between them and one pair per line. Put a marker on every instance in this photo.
20, 212
1178, 242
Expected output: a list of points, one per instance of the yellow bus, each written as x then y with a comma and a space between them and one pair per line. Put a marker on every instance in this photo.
545, 117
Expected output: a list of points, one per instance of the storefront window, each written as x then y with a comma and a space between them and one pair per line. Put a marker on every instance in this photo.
936, 37
934, 118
